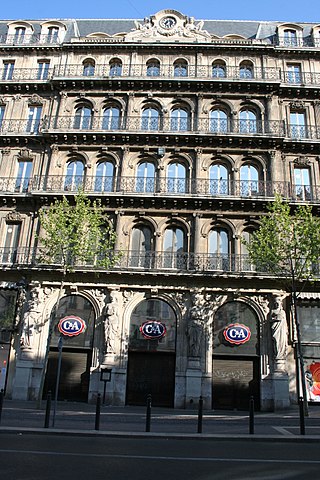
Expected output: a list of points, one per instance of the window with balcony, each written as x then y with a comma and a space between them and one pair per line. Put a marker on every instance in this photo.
53, 35
246, 70
43, 69
246, 264
145, 181
176, 178
219, 249
153, 68
88, 68
219, 70
179, 120
249, 180
218, 179
34, 118
174, 248
180, 68
293, 73
298, 128
83, 118
115, 68
218, 121
11, 243
19, 35
247, 121
23, 176
104, 180
141, 251
2, 110
74, 176
8, 68
111, 118
150, 119
302, 184
290, 38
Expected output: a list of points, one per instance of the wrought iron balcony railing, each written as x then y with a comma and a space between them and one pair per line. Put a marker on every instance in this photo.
29, 39
18, 74
30, 126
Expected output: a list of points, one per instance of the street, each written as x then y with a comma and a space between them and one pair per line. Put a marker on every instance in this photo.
64, 457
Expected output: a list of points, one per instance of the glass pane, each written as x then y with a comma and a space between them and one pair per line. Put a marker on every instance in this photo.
145, 181
219, 184
104, 177
111, 119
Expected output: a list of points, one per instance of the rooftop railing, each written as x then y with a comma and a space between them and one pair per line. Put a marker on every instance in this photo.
29, 39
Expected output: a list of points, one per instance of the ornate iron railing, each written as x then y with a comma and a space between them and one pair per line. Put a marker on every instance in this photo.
29, 39
17, 74
29, 126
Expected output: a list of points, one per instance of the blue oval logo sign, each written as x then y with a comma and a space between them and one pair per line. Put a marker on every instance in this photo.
71, 326
237, 334
153, 330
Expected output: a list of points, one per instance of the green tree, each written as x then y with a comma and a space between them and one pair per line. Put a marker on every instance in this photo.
287, 245
74, 234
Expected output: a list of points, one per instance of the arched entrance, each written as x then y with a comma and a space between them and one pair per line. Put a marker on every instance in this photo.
76, 352
151, 362
235, 372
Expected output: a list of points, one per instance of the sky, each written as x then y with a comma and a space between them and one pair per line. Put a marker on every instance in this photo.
279, 10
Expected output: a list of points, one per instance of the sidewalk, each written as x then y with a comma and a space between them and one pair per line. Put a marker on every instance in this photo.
79, 418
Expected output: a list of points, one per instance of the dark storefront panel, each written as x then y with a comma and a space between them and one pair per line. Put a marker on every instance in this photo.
233, 382
151, 373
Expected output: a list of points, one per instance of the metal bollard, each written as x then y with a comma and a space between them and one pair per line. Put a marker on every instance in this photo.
302, 418
200, 414
148, 413
98, 411
48, 409
251, 416
1, 402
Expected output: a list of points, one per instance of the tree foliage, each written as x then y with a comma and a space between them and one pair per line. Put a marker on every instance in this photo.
76, 234
287, 244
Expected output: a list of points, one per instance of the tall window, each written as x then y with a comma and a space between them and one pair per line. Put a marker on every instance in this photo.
302, 183
293, 74
249, 180
174, 248
179, 120
153, 68
11, 242
219, 249
115, 68
111, 118
53, 34
150, 119
180, 68
2, 109
23, 176
141, 247
298, 127
88, 68
218, 180
247, 121
83, 118
176, 178
290, 38
246, 264
218, 121
104, 181
219, 70
19, 35
246, 70
75, 176
8, 68
43, 69
34, 118
145, 181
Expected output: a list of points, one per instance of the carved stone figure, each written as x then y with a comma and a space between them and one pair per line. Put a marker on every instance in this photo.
32, 317
111, 323
278, 322
195, 325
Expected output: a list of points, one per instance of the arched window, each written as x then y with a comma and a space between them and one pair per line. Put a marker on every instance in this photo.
246, 70
174, 246
104, 181
179, 120
176, 178
218, 180
219, 249
219, 70
19, 35
150, 119
153, 68
75, 176
247, 121
249, 180
180, 68
218, 121
115, 68
83, 118
111, 118
290, 38
141, 252
88, 68
145, 181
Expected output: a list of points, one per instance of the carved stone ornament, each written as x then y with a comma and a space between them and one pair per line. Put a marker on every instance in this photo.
297, 105
13, 217
35, 100
25, 154
302, 161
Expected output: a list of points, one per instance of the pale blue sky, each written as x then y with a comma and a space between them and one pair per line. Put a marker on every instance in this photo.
282, 10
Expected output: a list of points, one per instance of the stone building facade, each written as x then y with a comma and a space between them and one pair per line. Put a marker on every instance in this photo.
185, 129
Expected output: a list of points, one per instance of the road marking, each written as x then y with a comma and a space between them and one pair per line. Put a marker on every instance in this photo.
283, 431
155, 457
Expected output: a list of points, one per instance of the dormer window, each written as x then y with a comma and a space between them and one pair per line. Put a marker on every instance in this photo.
19, 35
53, 34
290, 38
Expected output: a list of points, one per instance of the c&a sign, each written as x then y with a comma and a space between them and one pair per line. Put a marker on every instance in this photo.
153, 330
71, 326
237, 333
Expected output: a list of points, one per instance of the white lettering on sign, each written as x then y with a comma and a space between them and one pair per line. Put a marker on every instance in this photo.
153, 330
71, 326
237, 334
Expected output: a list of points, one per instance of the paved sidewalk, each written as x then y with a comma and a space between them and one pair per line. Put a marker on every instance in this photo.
18, 416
